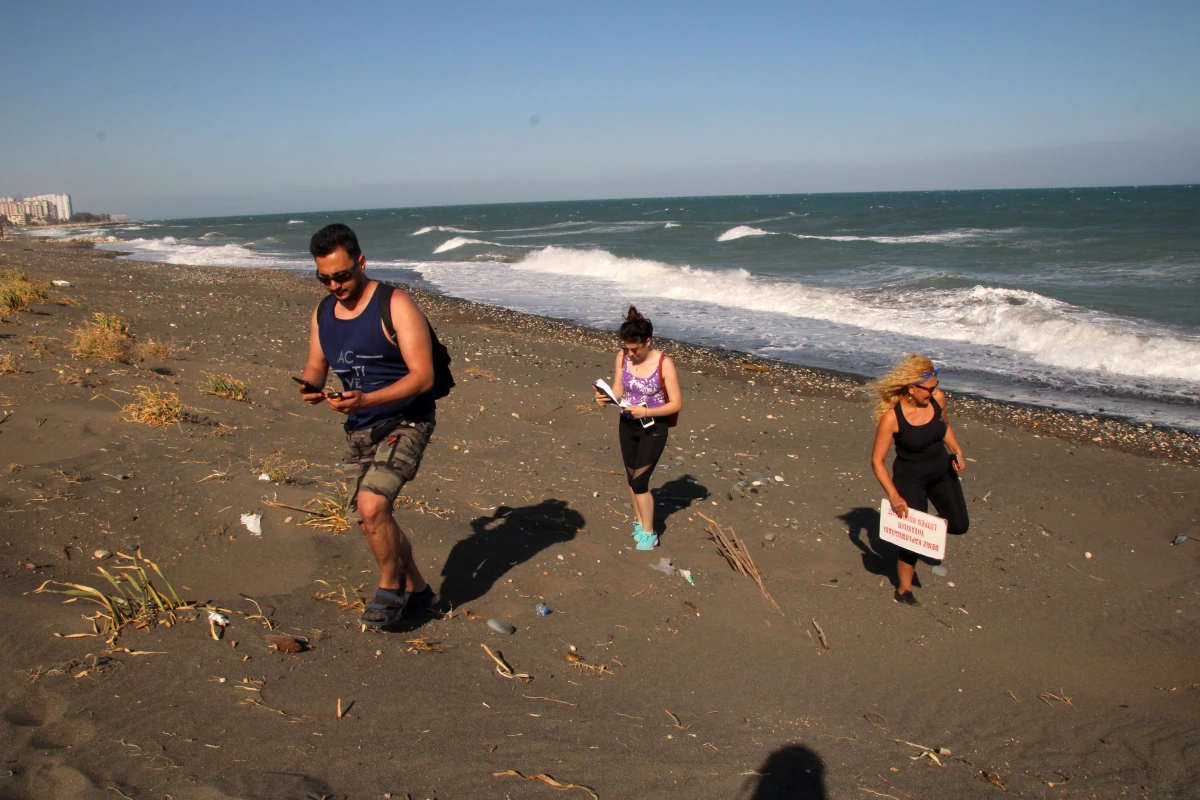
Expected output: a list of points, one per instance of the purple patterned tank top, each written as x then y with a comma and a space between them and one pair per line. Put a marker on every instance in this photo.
643, 390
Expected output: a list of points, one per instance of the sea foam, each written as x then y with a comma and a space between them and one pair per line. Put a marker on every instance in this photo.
1046, 330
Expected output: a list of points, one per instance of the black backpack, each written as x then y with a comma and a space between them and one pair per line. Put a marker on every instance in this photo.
443, 381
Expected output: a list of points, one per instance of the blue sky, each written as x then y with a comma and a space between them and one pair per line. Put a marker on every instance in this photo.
168, 109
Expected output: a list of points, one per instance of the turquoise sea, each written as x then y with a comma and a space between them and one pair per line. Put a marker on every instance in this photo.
1084, 299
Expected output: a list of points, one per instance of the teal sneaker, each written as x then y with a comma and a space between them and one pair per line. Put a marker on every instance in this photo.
638, 531
647, 541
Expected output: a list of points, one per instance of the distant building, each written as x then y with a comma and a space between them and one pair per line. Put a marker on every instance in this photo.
39, 210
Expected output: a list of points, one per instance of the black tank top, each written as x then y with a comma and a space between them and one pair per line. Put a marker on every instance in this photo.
920, 452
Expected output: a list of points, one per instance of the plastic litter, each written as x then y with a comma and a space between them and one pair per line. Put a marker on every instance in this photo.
253, 523
940, 571
62, 284
500, 626
1180, 539
264, 477
542, 609
687, 576
664, 566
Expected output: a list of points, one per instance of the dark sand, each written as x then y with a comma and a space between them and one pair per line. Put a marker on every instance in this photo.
523, 502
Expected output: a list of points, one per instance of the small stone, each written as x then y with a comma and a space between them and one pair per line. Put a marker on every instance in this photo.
516, 415
940, 571
500, 626
1087, 555
770, 537
779, 479
100, 555
757, 483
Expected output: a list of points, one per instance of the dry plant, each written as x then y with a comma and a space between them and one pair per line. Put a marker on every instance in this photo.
333, 511
225, 386
38, 348
15, 468
17, 292
105, 337
11, 365
88, 378
281, 469
11, 302
481, 373
136, 600
730, 545
341, 597
156, 350
154, 407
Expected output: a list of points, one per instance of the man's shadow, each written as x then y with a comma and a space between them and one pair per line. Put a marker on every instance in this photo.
509, 536
674, 496
793, 772
878, 557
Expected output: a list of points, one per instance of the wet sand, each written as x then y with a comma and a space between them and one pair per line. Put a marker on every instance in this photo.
707, 690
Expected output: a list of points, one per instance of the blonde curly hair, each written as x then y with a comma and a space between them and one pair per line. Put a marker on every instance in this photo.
891, 387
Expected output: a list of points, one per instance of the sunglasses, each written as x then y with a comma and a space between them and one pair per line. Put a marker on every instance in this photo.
337, 277
929, 389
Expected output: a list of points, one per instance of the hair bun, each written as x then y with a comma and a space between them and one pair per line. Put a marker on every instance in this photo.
633, 315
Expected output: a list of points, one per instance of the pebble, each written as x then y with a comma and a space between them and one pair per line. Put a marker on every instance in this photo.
500, 626
1087, 555
940, 571
100, 555
770, 537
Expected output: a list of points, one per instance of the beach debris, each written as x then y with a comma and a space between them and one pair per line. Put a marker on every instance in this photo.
932, 753
341, 597
1061, 697
686, 574
692, 606
100, 555
500, 626
993, 778
1180, 539
546, 779
253, 523
1087, 555
423, 645
282, 643
550, 700
675, 721
821, 634
940, 571
737, 554
216, 625
770, 537
664, 566
779, 479
542, 610
755, 367
62, 284
264, 477
502, 667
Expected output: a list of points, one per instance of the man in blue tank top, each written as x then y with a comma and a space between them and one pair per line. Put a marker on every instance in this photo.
387, 397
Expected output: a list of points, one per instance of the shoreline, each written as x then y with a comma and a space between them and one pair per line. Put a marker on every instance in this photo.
1121, 433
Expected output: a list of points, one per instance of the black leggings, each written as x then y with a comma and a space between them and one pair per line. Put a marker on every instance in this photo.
640, 450
947, 496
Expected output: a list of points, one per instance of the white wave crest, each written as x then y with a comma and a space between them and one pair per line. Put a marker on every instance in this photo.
671, 225
169, 250
960, 235
459, 241
296, 222
1048, 331
741, 232
444, 228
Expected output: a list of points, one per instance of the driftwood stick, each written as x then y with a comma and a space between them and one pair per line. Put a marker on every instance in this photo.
821, 633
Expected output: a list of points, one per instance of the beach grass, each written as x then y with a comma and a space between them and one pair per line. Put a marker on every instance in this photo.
10, 364
156, 350
333, 511
154, 407
105, 337
135, 599
225, 386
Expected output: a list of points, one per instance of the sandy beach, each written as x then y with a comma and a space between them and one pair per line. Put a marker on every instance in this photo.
1057, 658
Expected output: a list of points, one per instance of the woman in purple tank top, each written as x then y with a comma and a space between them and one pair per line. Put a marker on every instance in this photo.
646, 385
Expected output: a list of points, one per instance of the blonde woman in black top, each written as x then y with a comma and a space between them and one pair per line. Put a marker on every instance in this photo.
911, 411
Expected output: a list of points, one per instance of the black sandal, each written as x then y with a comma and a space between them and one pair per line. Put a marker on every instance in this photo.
385, 609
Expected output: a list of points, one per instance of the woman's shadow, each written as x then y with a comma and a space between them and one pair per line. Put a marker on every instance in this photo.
499, 542
674, 496
878, 557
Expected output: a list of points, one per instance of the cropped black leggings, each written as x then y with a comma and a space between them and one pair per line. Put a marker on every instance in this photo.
640, 450
947, 496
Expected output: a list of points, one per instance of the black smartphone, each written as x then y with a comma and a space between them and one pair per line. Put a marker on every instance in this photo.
306, 386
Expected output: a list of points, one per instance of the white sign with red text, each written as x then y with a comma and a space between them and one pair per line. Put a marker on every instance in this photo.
919, 532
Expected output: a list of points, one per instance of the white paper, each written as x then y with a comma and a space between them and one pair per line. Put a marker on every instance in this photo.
919, 532
253, 523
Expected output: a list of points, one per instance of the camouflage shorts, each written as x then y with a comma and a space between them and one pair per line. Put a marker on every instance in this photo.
383, 468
